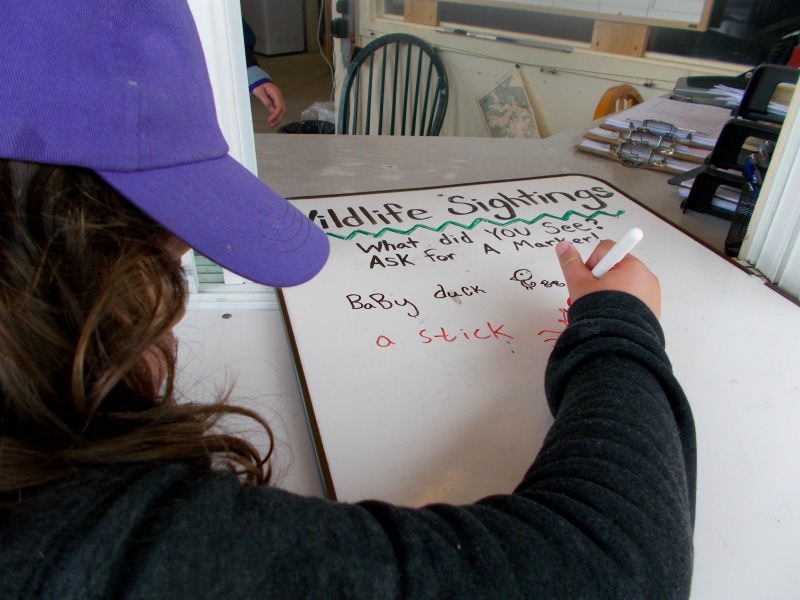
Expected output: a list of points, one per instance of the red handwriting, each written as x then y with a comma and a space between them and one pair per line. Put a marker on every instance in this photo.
489, 333
384, 342
563, 320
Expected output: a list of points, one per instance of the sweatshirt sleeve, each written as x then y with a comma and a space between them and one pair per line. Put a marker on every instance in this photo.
619, 463
605, 511
607, 508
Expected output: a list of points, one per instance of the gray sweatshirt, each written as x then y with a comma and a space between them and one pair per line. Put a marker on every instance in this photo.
605, 511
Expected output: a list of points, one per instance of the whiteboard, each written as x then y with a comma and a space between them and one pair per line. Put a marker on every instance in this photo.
422, 344
692, 14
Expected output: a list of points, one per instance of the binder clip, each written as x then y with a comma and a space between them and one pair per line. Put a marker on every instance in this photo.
667, 131
655, 142
630, 154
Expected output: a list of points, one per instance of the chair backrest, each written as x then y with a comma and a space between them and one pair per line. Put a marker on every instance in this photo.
617, 98
396, 85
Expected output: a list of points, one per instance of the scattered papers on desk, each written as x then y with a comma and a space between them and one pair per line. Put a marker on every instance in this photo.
705, 121
670, 165
725, 197
733, 98
680, 151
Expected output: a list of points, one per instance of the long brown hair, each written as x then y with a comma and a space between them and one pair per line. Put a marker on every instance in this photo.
89, 292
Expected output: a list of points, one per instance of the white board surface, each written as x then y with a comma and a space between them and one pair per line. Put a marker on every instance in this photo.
435, 393
418, 347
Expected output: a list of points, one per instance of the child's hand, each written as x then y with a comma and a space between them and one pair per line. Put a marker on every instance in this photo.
630, 275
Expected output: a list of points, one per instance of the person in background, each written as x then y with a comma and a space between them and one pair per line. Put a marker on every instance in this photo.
112, 484
259, 82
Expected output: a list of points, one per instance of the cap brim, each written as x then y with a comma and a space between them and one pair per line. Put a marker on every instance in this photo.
229, 215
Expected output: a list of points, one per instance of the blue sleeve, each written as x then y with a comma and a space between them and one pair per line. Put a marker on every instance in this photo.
256, 76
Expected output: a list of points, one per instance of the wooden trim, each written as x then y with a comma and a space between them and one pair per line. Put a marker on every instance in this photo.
620, 38
423, 12
703, 24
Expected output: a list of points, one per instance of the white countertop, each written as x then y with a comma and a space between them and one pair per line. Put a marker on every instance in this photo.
314, 165
310, 165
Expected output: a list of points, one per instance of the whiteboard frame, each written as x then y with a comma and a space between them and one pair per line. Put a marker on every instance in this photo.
702, 25
328, 484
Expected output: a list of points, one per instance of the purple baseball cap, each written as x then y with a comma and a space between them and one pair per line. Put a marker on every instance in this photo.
120, 87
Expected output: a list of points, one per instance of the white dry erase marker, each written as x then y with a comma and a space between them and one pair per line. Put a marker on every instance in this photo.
618, 252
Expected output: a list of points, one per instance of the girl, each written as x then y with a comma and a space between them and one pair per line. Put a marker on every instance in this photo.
111, 485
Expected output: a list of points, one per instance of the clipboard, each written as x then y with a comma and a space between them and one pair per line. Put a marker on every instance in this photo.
665, 164
704, 121
676, 150
697, 140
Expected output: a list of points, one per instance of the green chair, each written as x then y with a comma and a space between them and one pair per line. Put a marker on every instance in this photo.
396, 85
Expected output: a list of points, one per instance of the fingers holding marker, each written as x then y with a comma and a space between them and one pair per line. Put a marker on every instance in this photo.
598, 253
570, 260
619, 251
628, 275
576, 273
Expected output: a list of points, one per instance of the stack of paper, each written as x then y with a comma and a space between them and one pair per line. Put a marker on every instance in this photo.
725, 197
703, 120
679, 151
704, 123
733, 98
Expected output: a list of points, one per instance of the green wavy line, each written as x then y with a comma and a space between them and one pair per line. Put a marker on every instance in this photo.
473, 224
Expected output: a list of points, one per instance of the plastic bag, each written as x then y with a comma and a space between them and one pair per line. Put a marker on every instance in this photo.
320, 117
320, 111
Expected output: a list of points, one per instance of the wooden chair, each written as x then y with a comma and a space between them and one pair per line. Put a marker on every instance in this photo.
395, 85
616, 99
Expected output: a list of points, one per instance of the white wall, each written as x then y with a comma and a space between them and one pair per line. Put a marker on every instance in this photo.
563, 87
